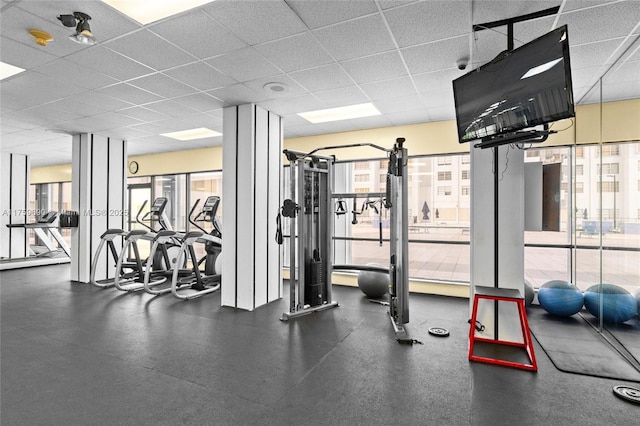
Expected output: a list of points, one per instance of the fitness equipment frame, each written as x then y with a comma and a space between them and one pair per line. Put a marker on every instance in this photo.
151, 272
47, 224
310, 204
204, 281
46, 230
311, 198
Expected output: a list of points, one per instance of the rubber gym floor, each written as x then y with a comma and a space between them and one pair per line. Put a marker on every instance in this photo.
72, 354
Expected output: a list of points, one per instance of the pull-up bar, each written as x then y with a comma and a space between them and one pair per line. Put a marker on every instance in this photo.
294, 155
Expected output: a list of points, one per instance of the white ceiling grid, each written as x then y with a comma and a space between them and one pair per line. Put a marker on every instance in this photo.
178, 73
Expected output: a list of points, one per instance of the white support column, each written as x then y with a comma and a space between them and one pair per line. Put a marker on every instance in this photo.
251, 199
14, 242
510, 223
99, 196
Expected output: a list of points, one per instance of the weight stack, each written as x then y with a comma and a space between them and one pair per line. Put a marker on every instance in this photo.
314, 291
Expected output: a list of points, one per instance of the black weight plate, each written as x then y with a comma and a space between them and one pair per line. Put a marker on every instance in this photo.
627, 393
439, 332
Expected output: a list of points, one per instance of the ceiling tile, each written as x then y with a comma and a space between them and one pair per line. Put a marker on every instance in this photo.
343, 96
106, 23
295, 53
319, 14
256, 21
589, 55
244, 65
46, 115
442, 113
22, 55
427, 21
618, 91
108, 62
613, 20
293, 88
356, 124
114, 120
389, 4
143, 114
435, 56
408, 117
170, 108
201, 76
129, 93
293, 105
293, 120
384, 66
389, 89
162, 85
200, 102
495, 10
237, 94
187, 32
399, 104
353, 39
69, 72
438, 99
93, 102
151, 50
437, 80
326, 77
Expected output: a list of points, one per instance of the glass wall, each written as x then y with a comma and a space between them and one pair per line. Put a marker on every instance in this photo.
567, 246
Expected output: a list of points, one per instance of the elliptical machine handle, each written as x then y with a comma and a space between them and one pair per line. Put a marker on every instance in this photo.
141, 220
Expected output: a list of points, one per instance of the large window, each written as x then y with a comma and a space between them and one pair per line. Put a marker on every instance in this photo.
439, 217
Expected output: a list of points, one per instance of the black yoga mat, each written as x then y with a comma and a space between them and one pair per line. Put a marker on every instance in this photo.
574, 346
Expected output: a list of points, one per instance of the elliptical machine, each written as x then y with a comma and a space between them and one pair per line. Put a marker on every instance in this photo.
207, 280
130, 266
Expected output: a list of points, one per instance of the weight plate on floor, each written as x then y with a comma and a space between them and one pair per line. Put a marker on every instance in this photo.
439, 332
627, 393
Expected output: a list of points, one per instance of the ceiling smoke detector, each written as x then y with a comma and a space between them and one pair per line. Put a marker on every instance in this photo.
83, 33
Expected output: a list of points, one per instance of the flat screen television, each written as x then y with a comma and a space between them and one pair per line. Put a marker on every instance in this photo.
506, 98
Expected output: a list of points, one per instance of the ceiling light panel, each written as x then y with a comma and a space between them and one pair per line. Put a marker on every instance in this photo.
7, 70
145, 11
340, 113
191, 134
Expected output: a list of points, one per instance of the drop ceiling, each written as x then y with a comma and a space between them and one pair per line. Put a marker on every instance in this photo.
141, 81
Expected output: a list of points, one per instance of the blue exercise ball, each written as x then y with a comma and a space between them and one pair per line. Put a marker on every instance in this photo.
560, 298
618, 305
637, 296
374, 284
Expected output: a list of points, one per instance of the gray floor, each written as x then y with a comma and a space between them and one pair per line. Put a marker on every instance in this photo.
76, 355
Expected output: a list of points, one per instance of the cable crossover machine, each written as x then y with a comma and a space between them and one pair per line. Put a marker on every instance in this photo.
311, 205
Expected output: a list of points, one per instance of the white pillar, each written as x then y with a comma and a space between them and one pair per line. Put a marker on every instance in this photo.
14, 242
251, 199
510, 223
99, 196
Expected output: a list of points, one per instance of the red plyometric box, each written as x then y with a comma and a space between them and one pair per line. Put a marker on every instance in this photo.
502, 295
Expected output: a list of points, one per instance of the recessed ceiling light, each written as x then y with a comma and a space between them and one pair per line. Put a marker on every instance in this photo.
7, 70
340, 113
147, 11
187, 135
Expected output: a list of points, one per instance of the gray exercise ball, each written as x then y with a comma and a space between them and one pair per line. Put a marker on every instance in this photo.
374, 284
